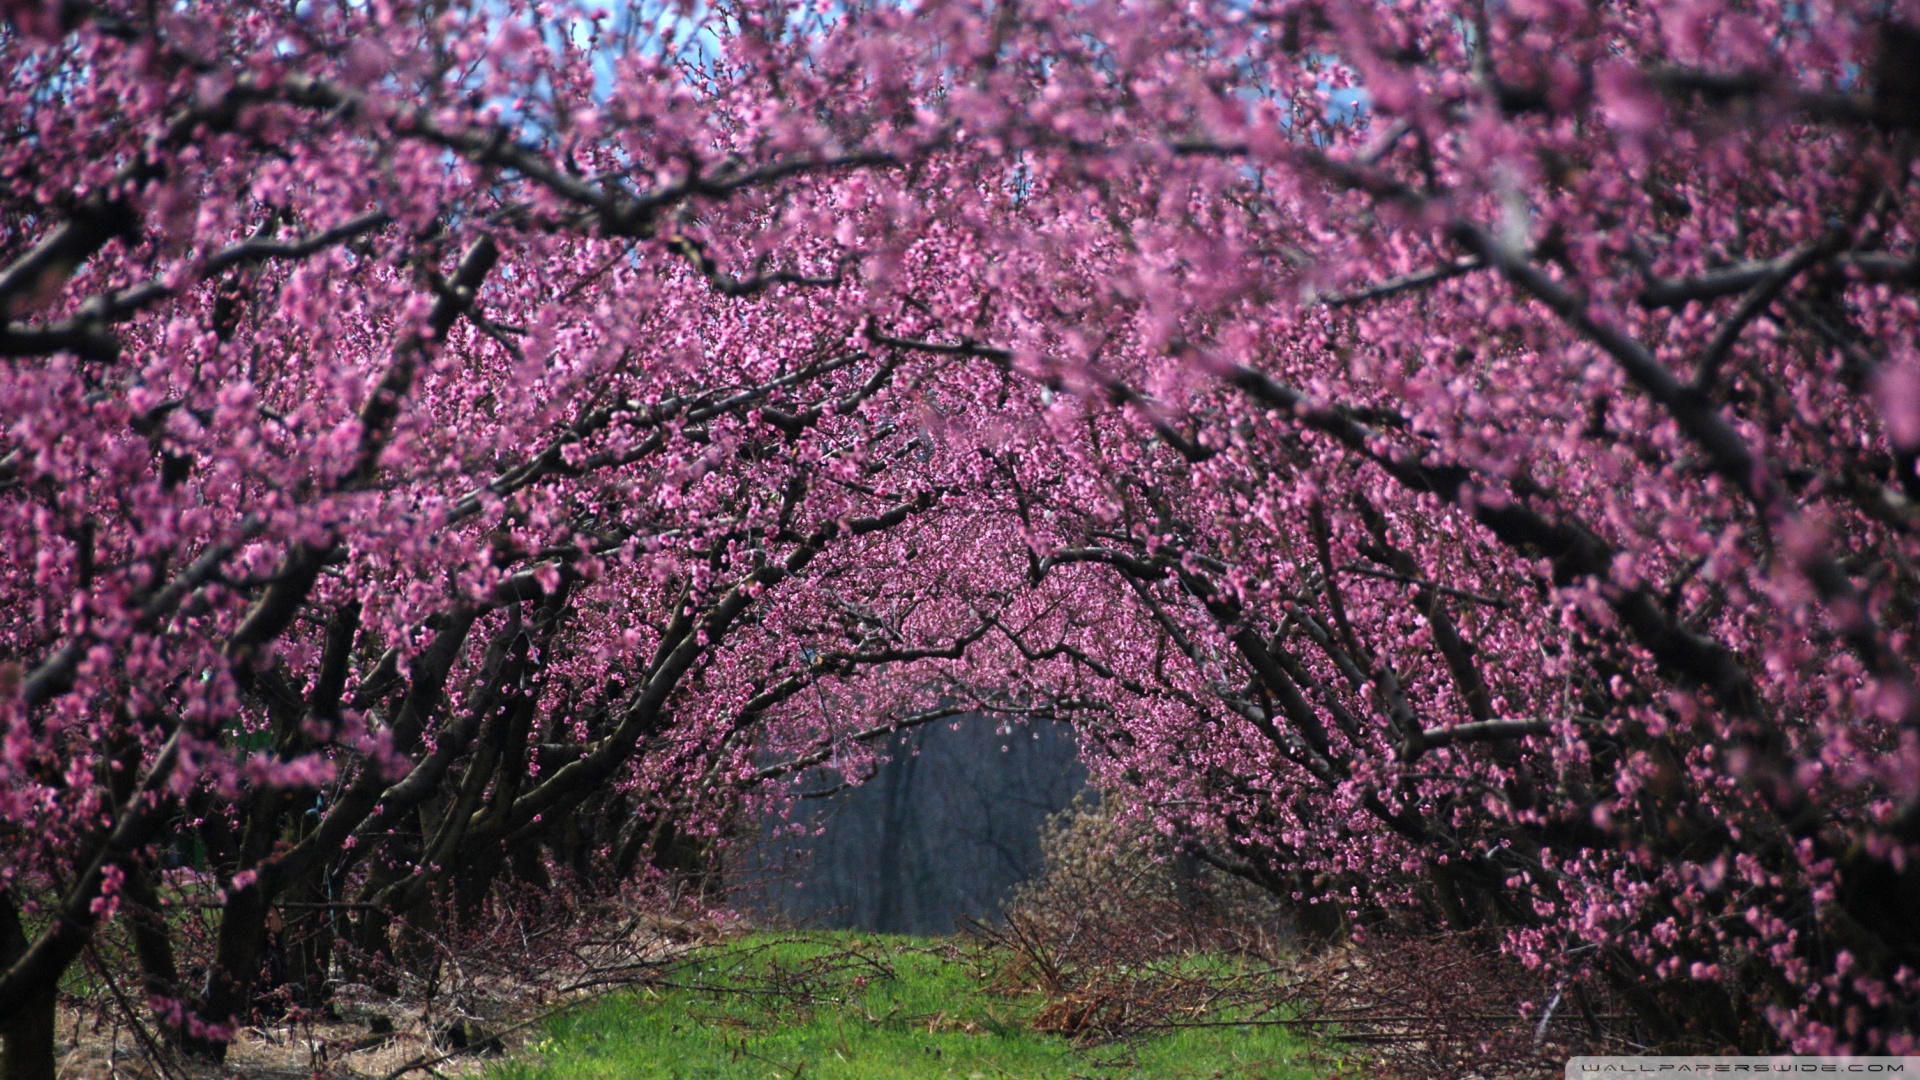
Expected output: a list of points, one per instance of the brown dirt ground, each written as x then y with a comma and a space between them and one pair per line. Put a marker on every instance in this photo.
483, 1005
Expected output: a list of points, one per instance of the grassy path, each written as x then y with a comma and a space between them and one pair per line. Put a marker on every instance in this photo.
844, 1006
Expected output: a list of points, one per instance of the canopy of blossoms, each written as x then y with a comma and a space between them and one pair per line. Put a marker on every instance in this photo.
1447, 458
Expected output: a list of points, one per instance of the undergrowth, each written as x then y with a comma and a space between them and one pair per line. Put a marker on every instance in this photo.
853, 1006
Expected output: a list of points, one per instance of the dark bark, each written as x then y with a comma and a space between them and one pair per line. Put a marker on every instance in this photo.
243, 929
152, 943
37, 969
27, 1037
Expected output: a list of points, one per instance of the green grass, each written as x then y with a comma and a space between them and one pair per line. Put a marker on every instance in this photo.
826, 1006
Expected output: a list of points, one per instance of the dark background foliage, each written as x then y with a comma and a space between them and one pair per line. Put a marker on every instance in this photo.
944, 829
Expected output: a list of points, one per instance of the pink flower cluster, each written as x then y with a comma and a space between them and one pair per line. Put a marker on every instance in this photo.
1450, 462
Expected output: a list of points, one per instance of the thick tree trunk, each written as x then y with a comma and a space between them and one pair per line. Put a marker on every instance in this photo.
152, 943
26, 1041
243, 927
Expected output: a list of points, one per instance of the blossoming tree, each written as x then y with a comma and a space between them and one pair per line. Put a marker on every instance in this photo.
1446, 457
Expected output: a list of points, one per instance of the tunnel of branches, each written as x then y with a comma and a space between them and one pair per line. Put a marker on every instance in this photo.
1450, 465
